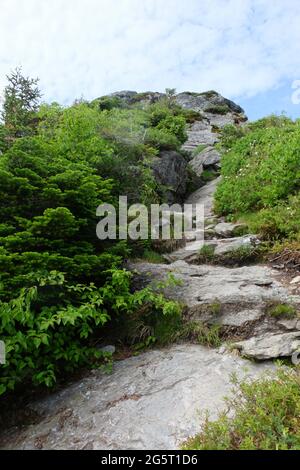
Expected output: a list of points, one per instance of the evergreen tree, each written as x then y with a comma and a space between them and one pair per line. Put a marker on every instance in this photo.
21, 101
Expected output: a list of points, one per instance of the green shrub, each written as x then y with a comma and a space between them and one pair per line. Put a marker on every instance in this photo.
191, 116
45, 340
282, 310
62, 289
153, 257
109, 102
266, 416
161, 139
261, 170
209, 175
217, 109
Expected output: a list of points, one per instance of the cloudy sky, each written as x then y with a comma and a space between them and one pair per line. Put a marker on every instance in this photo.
248, 50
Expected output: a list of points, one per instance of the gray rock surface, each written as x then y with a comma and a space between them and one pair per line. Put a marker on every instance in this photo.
227, 230
206, 284
197, 165
227, 245
201, 101
132, 97
208, 158
170, 170
153, 401
200, 133
220, 120
204, 196
206, 130
158, 399
234, 298
268, 345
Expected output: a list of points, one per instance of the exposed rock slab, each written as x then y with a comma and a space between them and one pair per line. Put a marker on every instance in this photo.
208, 158
201, 101
268, 345
153, 401
190, 252
204, 196
222, 120
227, 245
200, 133
170, 170
235, 298
205, 284
227, 230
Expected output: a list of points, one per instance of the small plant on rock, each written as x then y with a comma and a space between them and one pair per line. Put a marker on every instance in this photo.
206, 254
282, 310
198, 332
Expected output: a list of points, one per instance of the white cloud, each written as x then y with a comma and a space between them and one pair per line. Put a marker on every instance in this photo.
93, 47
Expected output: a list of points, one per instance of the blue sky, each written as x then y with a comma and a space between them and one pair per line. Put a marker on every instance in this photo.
248, 50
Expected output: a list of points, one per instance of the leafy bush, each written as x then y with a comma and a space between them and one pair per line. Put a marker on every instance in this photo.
44, 340
62, 290
260, 170
161, 139
110, 102
266, 416
260, 176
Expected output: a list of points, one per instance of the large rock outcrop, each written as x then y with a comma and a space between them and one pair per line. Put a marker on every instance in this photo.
237, 299
153, 401
209, 158
170, 170
211, 112
207, 102
214, 111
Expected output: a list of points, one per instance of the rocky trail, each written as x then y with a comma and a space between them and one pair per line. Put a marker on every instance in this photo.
159, 398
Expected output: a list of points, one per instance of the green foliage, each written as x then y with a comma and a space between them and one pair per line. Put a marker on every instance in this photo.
260, 177
206, 254
21, 99
207, 335
44, 340
174, 125
191, 116
241, 256
237, 257
199, 149
154, 319
153, 257
62, 289
209, 175
261, 169
279, 222
110, 102
264, 415
161, 139
230, 134
282, 310
217, 109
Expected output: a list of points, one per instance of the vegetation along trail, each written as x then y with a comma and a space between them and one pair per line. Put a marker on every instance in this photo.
230, 312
